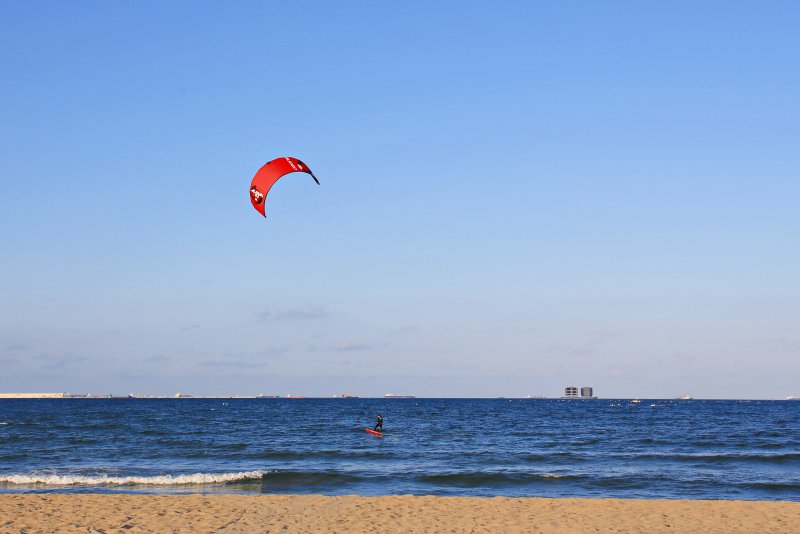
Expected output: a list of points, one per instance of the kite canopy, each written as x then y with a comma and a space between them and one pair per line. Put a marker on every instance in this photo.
271, 173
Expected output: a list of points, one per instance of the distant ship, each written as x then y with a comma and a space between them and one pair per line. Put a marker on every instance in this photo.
394, 396
686, 397
791, 397
262, 396
345, 396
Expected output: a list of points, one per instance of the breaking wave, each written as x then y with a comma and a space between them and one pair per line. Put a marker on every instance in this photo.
158, 480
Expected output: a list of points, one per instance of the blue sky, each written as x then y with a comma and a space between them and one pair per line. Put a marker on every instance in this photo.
515, 197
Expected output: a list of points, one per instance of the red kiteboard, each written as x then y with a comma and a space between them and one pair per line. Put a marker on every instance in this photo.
374, 432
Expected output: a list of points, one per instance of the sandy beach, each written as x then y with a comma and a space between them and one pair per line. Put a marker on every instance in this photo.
314, 513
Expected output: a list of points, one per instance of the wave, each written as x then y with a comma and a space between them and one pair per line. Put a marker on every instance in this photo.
477, 479
560, 456
300, 479
772, 486
158, 480
345, 454
270, 478
713, 458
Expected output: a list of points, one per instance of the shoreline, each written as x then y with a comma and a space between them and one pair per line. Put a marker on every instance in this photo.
56, 512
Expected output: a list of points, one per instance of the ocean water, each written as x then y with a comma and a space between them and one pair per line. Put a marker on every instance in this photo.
697, 449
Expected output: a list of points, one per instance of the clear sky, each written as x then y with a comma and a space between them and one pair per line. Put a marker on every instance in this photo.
516, 197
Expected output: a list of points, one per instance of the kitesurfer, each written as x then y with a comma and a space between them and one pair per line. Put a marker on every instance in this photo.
379, 424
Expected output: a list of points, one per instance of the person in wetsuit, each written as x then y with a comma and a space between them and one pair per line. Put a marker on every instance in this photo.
379, 424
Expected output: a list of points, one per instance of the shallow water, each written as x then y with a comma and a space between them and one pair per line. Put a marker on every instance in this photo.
550, 448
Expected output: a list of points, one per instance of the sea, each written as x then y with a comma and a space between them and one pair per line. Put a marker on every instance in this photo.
673, 449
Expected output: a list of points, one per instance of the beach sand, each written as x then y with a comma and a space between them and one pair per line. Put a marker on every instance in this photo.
314, 513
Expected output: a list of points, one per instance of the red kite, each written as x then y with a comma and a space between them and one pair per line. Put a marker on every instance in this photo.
271, 173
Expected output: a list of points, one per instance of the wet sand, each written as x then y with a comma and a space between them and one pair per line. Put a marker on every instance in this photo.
30, 513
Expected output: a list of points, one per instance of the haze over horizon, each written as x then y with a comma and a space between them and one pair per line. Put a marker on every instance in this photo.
512, 199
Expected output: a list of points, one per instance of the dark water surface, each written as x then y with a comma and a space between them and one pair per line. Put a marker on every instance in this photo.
550, 448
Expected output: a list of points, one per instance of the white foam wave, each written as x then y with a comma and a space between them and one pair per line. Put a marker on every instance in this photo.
161, 480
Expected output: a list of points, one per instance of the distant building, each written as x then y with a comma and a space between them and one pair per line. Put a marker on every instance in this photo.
572, 392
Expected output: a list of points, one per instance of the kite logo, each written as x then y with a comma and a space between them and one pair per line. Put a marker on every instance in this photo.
256, 195
291, 163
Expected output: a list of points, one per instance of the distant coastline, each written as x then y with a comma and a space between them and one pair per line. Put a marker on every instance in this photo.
63, 395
